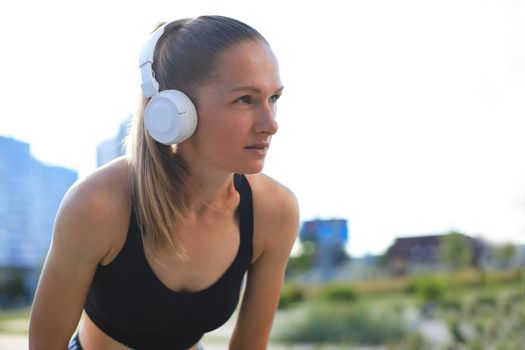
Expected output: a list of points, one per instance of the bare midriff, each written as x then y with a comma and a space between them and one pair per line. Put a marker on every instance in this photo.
92, 338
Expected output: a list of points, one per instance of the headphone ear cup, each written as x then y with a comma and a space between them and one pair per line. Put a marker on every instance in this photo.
170, 117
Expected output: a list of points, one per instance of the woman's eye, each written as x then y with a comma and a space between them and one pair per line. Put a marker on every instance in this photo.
274, 98
244, 99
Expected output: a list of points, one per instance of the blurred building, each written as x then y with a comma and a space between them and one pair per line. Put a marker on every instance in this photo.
328, 238
519, 259
115, 147
30, 194
409, 254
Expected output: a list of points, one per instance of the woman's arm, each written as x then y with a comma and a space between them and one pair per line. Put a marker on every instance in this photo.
82, 238
276, 221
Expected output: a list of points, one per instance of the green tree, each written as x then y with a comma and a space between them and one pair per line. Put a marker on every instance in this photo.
12, 283
504, 254
456, 250
303, 262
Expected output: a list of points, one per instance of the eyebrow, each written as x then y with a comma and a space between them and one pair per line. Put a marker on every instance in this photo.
254, 89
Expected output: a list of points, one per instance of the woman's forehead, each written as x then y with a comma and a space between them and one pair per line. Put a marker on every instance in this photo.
251, 64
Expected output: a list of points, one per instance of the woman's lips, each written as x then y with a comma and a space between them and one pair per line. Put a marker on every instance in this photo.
259, 145
258, 149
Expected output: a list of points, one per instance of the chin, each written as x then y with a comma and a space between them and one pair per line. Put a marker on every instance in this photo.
250, 169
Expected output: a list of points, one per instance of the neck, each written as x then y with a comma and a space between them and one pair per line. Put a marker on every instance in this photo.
213, 187
211, 192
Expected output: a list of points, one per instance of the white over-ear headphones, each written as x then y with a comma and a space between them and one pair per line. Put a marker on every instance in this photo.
170, 116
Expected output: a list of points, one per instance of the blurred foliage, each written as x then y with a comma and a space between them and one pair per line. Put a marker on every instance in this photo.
432, 287
338, 292
412, 341
15, 321
291, 293
382, 286
18, 314
456, 250
428, 288
302, 263
482, 310
454, 327
503, 255
12, 285
344, 323
486, 318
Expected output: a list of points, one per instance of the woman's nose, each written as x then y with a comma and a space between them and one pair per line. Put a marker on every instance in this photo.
266, 122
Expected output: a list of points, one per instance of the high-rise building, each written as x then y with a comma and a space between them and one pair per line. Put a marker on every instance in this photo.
30, 194
113, 148
328, 238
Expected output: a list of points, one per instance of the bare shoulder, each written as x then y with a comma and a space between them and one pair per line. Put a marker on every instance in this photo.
273, 198
87, 229
276, 214
109, 185
95, 210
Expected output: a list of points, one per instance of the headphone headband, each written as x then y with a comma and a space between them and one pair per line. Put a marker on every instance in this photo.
150, 86
170, 116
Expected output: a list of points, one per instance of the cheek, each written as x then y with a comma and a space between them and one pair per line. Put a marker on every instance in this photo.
220, 133
215, 129
221, 123
222, 128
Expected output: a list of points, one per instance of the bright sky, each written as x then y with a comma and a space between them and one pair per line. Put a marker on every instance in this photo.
405, 117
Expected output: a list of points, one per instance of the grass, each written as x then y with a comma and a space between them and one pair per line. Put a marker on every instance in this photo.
343, 323
468, 294
466, 298
14, 321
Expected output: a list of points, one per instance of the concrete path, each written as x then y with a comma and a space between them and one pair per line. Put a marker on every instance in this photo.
13, 342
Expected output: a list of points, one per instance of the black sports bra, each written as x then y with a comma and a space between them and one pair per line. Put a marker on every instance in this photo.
129, 303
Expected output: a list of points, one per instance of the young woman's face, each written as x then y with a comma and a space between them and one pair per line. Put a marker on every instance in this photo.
237, 111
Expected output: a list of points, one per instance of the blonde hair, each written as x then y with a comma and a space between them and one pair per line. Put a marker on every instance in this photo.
161, 188
185, 58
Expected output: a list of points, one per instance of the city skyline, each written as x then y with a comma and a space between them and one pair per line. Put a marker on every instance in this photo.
404, 118
113, 145
30, 194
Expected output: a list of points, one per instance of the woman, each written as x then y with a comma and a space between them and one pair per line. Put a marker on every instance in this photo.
154, 245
